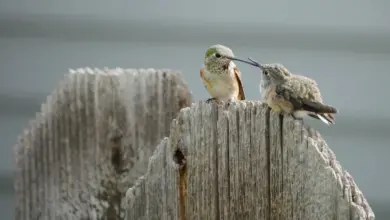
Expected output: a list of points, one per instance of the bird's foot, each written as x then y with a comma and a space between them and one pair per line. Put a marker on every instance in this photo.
211, 100
296, 118
231, 101
214, 100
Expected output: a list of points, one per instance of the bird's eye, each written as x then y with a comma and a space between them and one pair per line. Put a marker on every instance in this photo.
265, 72
217, 55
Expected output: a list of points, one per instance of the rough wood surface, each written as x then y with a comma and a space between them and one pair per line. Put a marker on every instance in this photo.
92, 140
155, 195
245, 162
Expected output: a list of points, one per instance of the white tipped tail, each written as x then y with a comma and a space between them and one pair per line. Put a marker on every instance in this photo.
323, 119
326, 118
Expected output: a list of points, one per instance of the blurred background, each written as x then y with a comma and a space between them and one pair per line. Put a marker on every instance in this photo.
344, 45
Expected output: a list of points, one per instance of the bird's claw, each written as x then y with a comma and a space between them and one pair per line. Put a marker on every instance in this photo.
210, 100
214, 100
294, 117
231, 101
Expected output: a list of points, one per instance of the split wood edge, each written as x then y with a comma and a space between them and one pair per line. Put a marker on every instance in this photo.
359, 207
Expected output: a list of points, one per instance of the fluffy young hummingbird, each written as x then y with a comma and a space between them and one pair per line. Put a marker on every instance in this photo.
294, 94
221, 76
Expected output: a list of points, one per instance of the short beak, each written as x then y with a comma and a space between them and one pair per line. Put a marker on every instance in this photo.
252, 62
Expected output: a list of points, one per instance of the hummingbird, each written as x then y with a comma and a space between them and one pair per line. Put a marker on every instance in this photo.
220, 75
298, 95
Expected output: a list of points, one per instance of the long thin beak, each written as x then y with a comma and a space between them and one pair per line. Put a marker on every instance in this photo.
255, 63
250, 62
244, 61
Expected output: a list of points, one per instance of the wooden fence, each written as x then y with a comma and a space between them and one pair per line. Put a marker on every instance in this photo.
128, 144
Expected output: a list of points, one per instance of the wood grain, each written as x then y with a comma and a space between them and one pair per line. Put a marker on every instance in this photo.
245, 162
104, 143
92, 141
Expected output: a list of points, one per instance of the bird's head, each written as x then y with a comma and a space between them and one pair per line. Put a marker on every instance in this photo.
219, 55
273, 72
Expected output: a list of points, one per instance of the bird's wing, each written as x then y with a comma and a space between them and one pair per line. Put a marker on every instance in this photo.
298, 96
237, 74
205, 81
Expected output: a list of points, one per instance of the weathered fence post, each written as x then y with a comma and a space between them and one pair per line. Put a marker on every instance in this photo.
95, 135
92, 140
245, 162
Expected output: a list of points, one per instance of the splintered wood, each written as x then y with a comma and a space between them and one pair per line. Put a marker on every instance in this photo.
114, 145
245, 162
92, 141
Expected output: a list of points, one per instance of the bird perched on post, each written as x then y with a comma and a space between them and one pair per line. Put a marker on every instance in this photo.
298, 95
221, 76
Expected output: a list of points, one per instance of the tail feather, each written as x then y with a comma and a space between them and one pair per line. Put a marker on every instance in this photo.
317, 107
326, 118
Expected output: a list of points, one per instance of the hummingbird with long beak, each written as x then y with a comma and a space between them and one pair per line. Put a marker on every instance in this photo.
221, 76
298, 95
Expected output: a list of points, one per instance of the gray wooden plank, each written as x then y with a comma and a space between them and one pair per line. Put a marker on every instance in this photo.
92, 141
